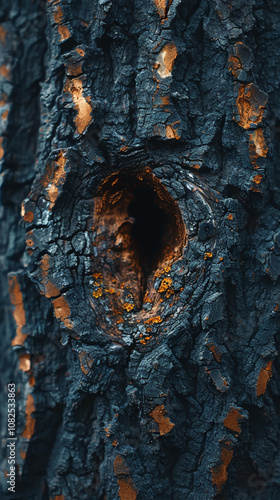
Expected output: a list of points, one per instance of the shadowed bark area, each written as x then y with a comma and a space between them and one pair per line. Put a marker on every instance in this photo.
139, 148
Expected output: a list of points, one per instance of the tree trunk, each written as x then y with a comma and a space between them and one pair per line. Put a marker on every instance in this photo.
142, 140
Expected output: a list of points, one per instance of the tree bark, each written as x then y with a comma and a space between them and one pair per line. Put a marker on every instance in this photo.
140, 234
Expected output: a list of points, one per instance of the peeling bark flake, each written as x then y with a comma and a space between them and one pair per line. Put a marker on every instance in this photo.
219, 472
233, 420
62, 29
62, 311
30, 421
263, 378
82, 104
251, 102
19, 312
127, 490
158, 414
166, 59
163, 7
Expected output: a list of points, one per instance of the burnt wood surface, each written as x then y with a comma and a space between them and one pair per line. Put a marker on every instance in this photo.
140, 206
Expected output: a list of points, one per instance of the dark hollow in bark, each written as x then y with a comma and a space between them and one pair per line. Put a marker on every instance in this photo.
139, 230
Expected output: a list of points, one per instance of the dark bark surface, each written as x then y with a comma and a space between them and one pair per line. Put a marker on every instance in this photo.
140, 151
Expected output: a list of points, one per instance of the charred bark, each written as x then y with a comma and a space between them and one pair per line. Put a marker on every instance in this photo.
140, 143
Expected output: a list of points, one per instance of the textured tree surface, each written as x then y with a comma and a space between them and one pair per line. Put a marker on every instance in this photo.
140, 234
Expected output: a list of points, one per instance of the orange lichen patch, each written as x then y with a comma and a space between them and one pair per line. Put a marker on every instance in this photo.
28, 216
159, 272
127, 306
165, 285
97, 293
58, 497
107, 430
81, 52
127, 490
208, 255
166, 59
257, 144
64, 32
263, 378
163, 7
62, 311
145, 340
3, 33
22, 454
4, 115
30, 421
219, 472
115, 442
18, 313
29, 239
58, 15
31, 380
74, 69
215, 350
97, 276
257, 179
82, 104
251, 102
50, 289
96, 283
62, 29
171, 132
233, 420
24, 362
86, 362
5, 71
159, 416
55, 179
151, 321
230, 217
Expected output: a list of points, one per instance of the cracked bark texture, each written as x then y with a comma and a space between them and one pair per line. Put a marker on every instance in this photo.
145, 362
